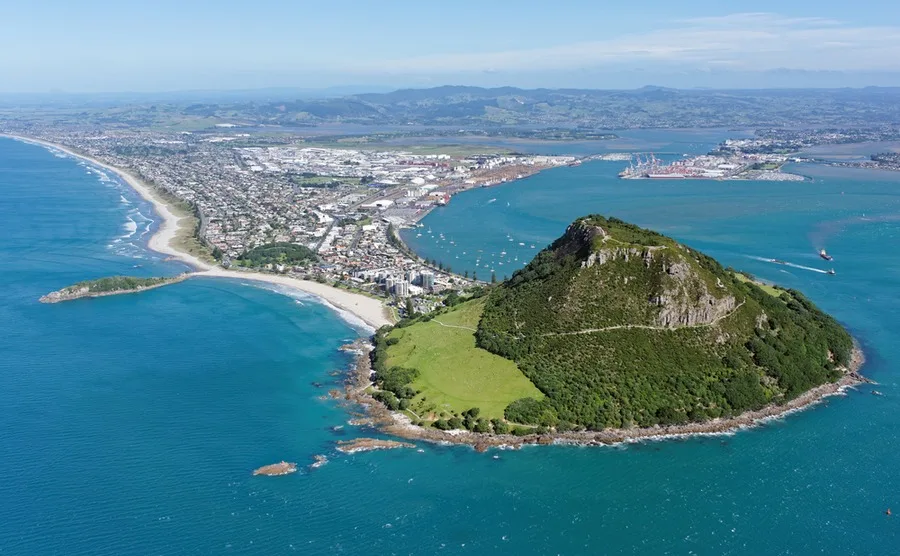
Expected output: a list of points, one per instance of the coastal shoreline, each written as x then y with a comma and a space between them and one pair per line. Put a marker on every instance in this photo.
168, 228
371, 311
397, 424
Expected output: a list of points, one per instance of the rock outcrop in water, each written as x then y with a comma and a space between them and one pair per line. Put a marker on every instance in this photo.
276, 469
369, 444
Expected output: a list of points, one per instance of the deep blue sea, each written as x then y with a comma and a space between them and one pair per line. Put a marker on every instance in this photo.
131, 424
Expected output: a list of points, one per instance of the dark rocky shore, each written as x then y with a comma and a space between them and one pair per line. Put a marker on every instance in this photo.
398, 424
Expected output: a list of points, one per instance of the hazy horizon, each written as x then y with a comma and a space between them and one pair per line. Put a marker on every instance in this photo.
352, 90
94, 47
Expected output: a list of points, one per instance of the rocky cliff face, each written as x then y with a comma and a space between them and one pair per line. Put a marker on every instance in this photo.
687, 301
578, 239
683, 300
676, 310
603, 256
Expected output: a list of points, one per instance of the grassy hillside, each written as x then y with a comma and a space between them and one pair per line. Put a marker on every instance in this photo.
771, 290
453, 375
621, 327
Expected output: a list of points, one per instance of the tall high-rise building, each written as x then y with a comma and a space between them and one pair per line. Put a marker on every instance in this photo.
427, 280
401, 288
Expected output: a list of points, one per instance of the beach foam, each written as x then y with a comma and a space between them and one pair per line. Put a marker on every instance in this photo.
301, 296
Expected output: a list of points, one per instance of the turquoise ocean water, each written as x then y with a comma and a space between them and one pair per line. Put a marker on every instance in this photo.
130, 424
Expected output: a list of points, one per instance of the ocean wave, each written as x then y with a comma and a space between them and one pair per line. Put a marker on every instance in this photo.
301, 296
130, 226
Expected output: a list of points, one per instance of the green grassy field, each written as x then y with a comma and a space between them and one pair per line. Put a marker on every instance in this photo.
455, 375
771, 290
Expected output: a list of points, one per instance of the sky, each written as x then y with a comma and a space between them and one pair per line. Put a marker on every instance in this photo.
169, 45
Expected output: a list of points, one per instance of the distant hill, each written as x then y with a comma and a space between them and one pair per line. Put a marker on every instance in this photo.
479, 108
647, 107
620, 326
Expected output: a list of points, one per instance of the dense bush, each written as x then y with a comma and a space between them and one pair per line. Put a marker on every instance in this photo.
118, 283
387, 398
396, 381
770, 349
499, 426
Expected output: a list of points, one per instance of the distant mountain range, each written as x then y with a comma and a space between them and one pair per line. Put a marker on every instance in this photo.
653, 107
482, 108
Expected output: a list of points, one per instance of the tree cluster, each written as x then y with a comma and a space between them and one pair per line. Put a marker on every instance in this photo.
277, 253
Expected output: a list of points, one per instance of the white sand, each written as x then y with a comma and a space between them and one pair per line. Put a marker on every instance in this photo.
369, 310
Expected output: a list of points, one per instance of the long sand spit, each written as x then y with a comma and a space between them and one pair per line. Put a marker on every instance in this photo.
369, 310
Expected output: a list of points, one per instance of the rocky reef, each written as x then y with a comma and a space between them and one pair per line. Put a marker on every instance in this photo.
275, 469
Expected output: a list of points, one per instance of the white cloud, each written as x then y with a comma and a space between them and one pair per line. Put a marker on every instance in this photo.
748, 41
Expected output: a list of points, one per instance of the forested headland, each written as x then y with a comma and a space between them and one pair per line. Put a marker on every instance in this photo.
616, 327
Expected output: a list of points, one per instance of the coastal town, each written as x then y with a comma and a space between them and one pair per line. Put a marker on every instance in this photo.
347, 206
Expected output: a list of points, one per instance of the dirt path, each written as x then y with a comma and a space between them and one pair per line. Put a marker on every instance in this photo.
454, 326
644, 326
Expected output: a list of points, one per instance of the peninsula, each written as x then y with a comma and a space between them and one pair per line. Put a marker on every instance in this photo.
171, 238
112, 285
612, 332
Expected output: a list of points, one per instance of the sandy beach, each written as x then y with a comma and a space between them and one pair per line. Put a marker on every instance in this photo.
371, 311
368, 309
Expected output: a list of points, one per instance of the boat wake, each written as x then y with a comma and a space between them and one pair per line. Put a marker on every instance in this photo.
785, 263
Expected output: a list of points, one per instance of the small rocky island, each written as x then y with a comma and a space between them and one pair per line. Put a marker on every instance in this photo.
112, 285
370, 444
275, 469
